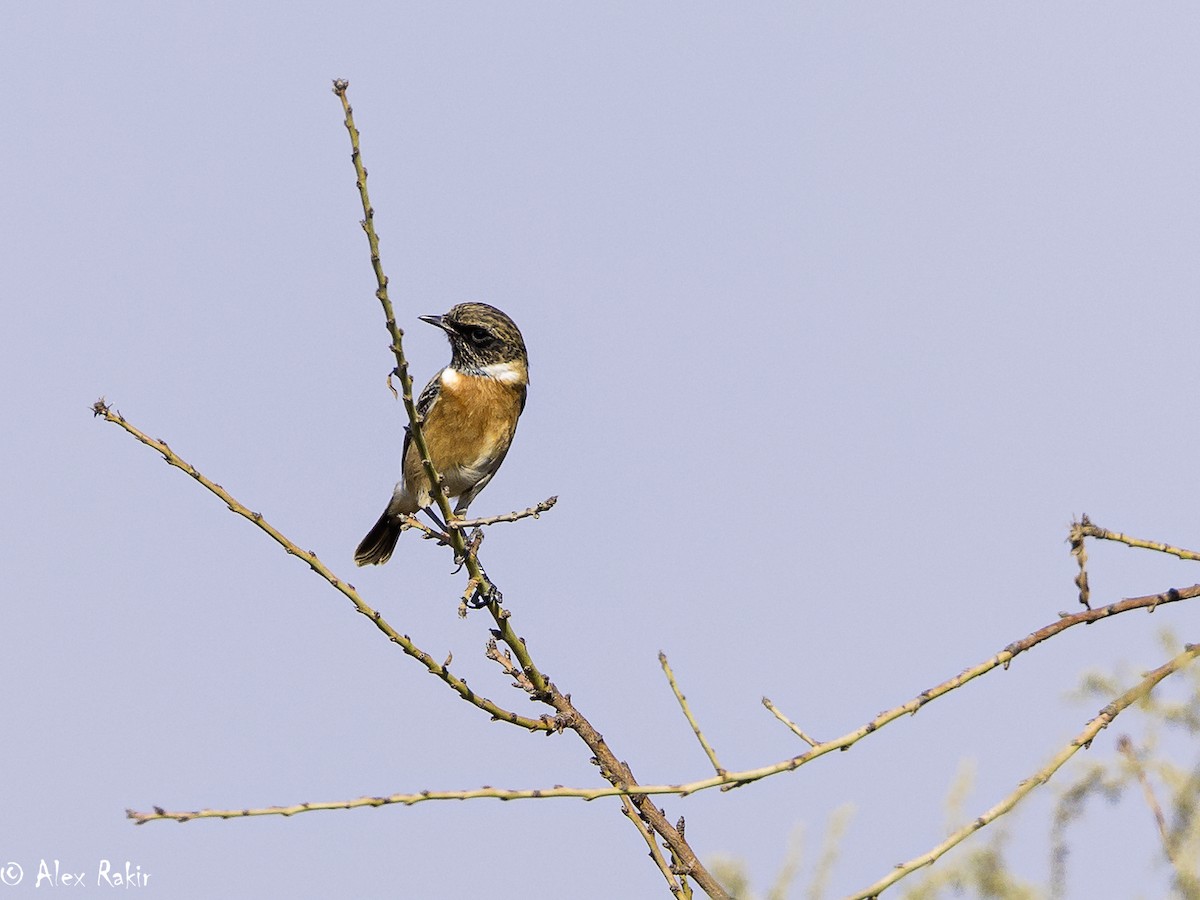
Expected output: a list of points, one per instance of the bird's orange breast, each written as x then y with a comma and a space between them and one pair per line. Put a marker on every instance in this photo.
468, 430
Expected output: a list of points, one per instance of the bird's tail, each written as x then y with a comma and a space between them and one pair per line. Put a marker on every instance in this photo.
376, 548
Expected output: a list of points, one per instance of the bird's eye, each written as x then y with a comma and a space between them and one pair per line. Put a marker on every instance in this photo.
480, 336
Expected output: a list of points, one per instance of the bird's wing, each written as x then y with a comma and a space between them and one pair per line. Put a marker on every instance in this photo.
425, 402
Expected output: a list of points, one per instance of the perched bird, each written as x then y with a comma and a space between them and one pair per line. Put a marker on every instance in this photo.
469, 413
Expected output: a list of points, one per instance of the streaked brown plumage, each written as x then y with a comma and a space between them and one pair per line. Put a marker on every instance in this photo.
469, 415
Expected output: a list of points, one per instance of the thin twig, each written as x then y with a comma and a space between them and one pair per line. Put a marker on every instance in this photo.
655, 854
482, 793
504, 659
428, 532
533, 512
1104, 534
677, 865
687, 711
788, 722
1079, 551
402, 641
1082, 740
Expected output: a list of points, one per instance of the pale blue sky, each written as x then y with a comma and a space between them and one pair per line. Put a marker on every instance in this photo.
837, 314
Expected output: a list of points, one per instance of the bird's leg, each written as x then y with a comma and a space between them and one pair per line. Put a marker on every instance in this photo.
478, 597
437, 520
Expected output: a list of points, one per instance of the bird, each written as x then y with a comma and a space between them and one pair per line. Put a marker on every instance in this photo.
469, 412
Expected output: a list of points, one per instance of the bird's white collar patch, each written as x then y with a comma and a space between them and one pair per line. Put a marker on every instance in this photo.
505, 371
508, 372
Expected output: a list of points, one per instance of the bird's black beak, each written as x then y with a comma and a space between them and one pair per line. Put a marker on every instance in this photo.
439, 321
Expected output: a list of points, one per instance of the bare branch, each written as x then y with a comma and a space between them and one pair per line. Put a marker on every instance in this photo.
1091, 530
345, 588
1084, 528
687, 711
766, 701
427, 532
622, 782
655, 854
534, 512
1083, 739
1079, 551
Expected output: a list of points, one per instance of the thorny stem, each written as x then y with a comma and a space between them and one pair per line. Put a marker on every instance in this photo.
484, 588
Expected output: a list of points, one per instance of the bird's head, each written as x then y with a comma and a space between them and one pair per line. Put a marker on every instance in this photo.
482, 338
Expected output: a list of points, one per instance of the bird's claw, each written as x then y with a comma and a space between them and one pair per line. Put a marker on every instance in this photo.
484, 597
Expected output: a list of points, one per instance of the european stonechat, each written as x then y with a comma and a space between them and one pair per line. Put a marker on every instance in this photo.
469, 413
